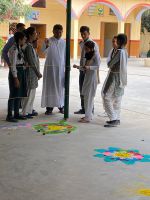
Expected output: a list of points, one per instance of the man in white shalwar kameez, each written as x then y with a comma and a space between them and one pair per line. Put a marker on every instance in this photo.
54, 72
115, 83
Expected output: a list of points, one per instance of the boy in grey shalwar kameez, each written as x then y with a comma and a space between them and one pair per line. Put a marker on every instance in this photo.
91, 79
113, 89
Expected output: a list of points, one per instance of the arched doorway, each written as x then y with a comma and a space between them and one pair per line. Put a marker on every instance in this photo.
133, 18
102, 17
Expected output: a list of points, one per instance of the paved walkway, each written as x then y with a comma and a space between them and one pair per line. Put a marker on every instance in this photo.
62, 167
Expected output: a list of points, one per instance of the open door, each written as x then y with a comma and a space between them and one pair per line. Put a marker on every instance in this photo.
41, 31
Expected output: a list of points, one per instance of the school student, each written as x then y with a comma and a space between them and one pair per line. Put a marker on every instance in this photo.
17, 78
91, 79
115, 83
32, 71
20, 27
110, 56
85, 34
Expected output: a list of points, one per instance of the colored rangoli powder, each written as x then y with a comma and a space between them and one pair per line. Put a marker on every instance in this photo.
143, 192
54, 128
127, 156
122, 155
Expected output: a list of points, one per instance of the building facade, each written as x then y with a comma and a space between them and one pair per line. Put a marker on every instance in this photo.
105, 18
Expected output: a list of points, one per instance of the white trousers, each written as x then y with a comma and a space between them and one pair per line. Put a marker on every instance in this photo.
27, 103
89, 105
112, 104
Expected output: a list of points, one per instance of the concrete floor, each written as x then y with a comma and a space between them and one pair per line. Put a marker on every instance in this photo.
62, 167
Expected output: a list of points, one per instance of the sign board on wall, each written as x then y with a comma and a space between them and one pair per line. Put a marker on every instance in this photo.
111, 12
96, 10
34, 16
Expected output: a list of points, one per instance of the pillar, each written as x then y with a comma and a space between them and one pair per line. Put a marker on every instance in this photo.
121, 27
102, 38
128, 33
135, 37
75, 35
22, 20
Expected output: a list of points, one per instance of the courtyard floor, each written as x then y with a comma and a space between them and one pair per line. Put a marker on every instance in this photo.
63, 166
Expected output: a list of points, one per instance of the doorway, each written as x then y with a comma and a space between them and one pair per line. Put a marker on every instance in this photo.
111, 29
41, 31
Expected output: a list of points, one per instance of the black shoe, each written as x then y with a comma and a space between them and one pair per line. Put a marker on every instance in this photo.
48, 112
113, 123
34, 113
11, 119
116, 121
61, 110
29, 116
80, 112
20, 117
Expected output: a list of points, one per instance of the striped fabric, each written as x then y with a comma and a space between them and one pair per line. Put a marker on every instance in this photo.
33, 67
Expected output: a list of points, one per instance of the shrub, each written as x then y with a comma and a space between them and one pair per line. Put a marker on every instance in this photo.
2, 43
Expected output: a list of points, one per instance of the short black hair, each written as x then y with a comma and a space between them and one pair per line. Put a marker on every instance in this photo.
18, 36
115, 37
122, 38
84, 28
58, 27
19, 25
90, 44
29, 31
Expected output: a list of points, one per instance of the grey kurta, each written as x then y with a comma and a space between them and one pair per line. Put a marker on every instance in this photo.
33, 66
114, 76
54, 74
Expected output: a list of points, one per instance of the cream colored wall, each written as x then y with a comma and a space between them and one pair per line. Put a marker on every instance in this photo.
78, 5
54, 13
94, 22
135, 25
123, 5
95, 27
4, 29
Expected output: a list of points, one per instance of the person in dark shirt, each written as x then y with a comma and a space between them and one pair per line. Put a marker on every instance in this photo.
20, 28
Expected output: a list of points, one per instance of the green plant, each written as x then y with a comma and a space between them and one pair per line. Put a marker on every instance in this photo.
146, 21
148, 54
13, 9
2, 43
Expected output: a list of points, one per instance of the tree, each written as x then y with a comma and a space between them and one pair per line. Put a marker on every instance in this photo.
146, 21
13, 9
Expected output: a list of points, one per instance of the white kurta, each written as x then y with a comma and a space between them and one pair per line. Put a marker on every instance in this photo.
54, 74
112, 98
90, 85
